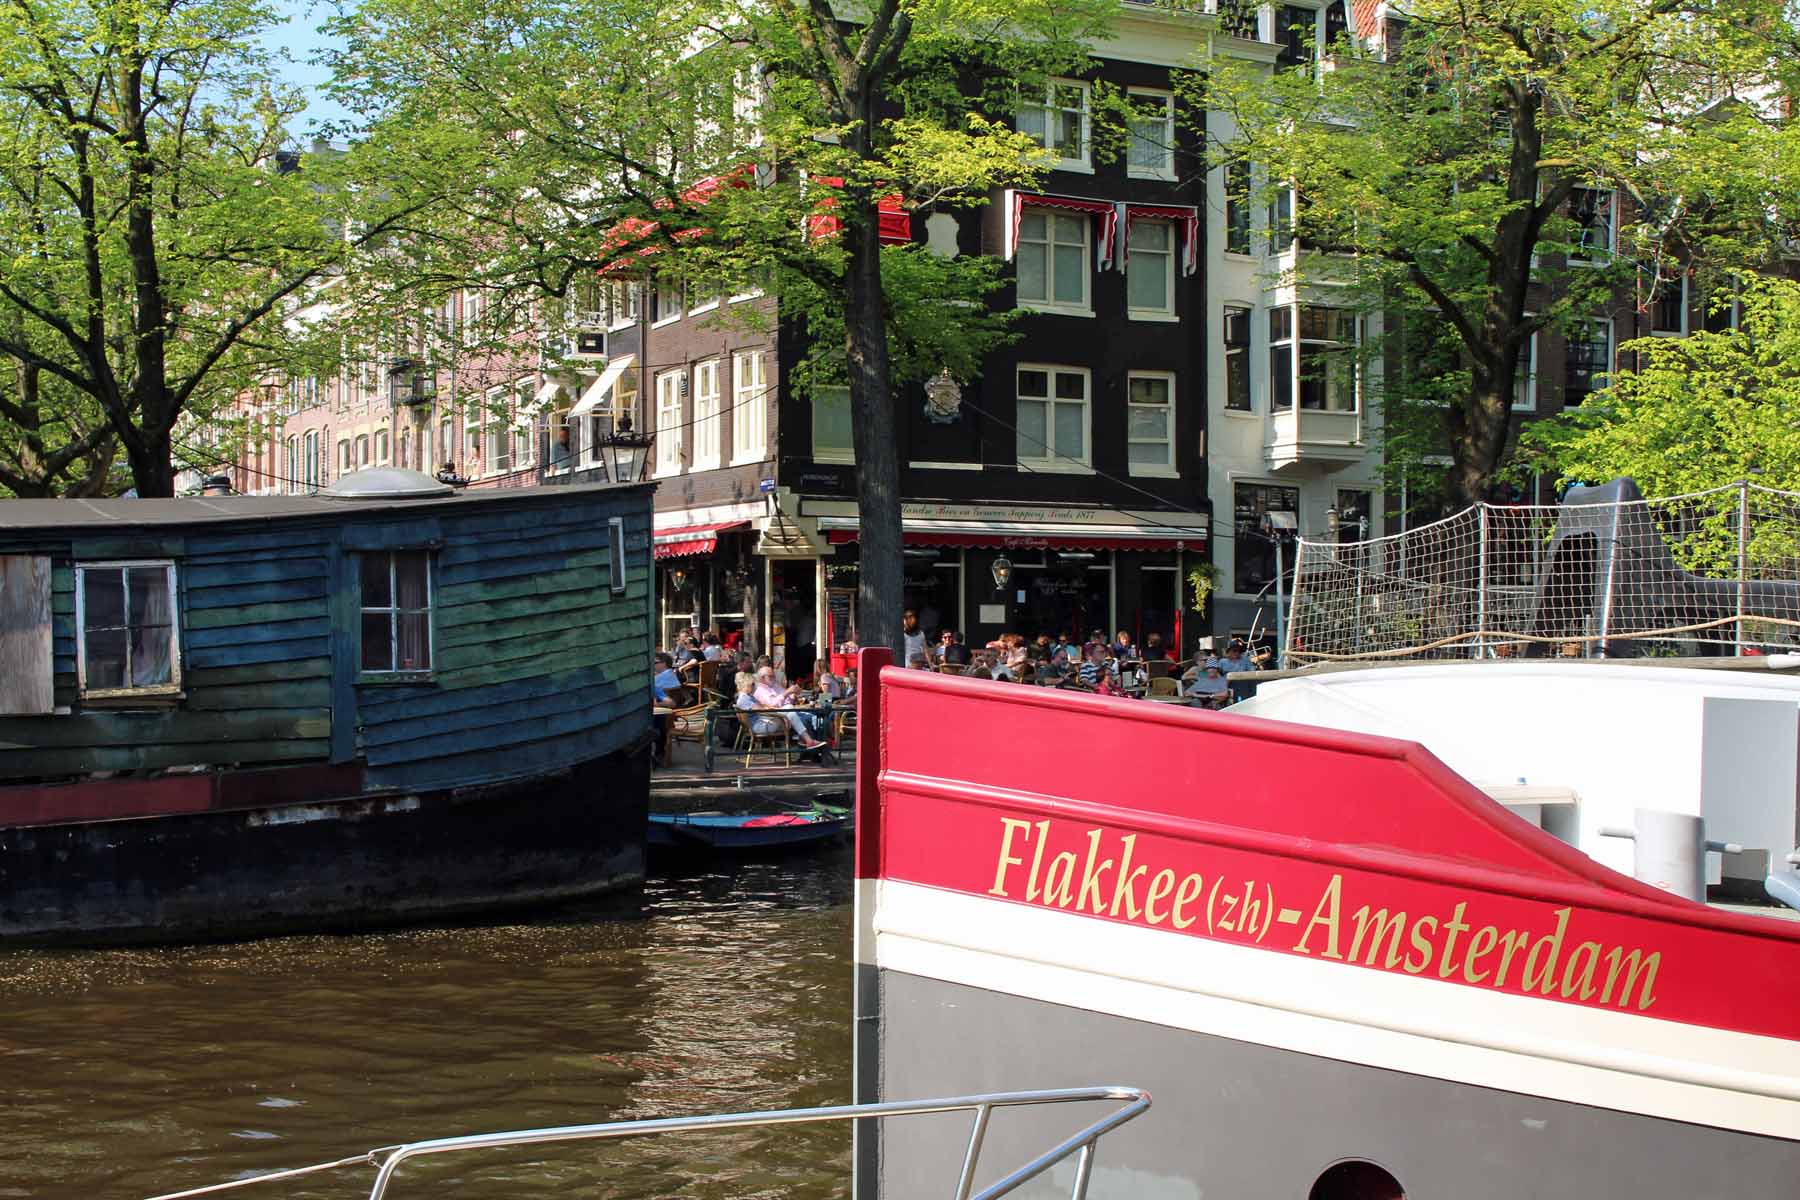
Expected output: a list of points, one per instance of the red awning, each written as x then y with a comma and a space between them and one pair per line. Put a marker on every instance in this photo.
1106, 210
1019, 541
1188, 217
693, 539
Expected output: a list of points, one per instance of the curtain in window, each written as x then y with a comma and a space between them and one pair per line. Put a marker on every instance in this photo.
151, 626
413, 601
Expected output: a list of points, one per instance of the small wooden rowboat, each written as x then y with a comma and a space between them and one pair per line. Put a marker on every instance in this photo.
759, 827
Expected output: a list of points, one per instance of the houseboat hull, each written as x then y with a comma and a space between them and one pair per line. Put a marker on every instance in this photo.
238, 854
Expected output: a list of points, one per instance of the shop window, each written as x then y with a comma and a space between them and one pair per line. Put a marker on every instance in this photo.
396, 612
1237, 358
1151, 131
1253, 554
1587, 361
1150, 273
1058, 121
1053, 259
126, 615
832, 442
1052, 417
1150, 422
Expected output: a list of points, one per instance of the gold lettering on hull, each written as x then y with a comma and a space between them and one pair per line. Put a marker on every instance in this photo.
1379, 936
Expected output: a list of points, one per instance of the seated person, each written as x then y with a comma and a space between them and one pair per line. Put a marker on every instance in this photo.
1094, 667
1210, 689
663, 678
1235, 658
831, 687
765, 722
953, 653
1197, 668
1155, 651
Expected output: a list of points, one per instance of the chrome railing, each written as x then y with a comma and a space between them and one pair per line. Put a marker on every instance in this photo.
388, 1159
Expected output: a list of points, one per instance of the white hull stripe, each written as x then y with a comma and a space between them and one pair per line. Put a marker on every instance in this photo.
1598, 1057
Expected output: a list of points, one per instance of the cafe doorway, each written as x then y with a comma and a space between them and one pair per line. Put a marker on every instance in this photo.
933, 589
1063, 592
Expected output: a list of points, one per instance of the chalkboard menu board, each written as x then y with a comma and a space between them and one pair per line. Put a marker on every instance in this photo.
838, 603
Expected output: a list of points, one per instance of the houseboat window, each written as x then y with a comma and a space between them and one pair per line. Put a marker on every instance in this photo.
615, 540
396, 611
128, 637
1355, 1179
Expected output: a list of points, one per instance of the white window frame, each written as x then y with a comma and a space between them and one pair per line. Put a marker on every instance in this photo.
381, 446
1686, 322
393, 609
1051, 458
707, 417
1576, 258
615, 544
1249, 352
1045, 106
749, 407
1297, 343
1166, 468
1166, 140
171, 688
1049, 304
664, 317
621, 305
668, 422
1168, 255
1531, 377
831, 453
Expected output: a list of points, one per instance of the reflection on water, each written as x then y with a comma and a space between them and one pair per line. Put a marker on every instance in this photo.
132, 1072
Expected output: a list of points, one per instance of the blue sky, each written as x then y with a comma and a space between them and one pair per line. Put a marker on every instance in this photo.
295, 41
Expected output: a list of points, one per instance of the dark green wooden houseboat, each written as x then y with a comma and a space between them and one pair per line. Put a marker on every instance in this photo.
232, 715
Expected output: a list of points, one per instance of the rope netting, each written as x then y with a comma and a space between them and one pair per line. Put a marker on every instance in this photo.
1606, 572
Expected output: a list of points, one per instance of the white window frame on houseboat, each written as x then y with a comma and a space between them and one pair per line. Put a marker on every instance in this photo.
1141, 260
1049, 455
749, 407
1054, 100
615, 545
1055, 220
125, 567
668, 421
394, 611
707, 417
826, 450
1163, 143
1165, 466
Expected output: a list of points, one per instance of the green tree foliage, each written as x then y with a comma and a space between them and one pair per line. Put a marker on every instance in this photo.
583, 128
1698, 412
1445, 169
151, 238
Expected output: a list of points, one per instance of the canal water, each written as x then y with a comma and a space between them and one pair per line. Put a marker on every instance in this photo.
127, 1073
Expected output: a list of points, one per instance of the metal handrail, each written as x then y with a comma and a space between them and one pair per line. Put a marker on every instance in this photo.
1136, 1100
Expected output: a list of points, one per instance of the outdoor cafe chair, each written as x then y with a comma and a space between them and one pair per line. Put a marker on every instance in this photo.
748, 740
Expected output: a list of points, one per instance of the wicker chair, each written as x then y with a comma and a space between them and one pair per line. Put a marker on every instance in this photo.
1164, 685
687, 723
748, 739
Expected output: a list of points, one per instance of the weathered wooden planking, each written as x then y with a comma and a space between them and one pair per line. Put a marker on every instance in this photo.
228, 573
256, 614
287, 693
258, 633
381, 703
392, 727
506, 566
265, 672
501, 736
501, 649
460, 552
174, 726
208, 657
573, 603
517, 761
236, 595
27, 683
79, 760
485, 632
525, 586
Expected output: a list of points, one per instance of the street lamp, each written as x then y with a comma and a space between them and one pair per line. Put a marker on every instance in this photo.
1002, 572
1281, 528
627, 453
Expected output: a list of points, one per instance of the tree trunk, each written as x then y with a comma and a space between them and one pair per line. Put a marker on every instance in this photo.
1478, 438
881, 579
152, 463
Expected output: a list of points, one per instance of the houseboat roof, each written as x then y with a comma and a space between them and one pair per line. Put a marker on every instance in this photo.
71, 515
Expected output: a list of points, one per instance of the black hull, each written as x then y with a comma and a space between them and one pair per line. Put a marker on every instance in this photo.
338, 863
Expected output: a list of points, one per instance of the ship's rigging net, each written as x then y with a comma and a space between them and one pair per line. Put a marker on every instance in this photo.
1714, 572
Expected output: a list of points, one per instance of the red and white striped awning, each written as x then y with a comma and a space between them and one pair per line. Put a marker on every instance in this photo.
1017, 202
692, 539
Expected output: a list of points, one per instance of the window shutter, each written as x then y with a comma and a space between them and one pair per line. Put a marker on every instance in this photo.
26, 670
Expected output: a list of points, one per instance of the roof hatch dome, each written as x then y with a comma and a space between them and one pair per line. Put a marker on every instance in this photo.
386, 483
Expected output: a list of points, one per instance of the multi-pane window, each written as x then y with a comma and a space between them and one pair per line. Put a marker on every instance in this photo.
1281, 221
749, 407
1592, 211
1525, 377
362, 450
1150, 152
1237, 207
1237, 358
666, 303
396, 611
1057, 120
345, 456
1053, 416
1337, 24
126, 614
1053, 258
447, 441
1668, 308
831, 425
1150, 279
706, 415
668, 422
1253, 554
1294, 33
1356, 514
1587, 361
1150, 422
313, 466
1320, 366
381, 445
